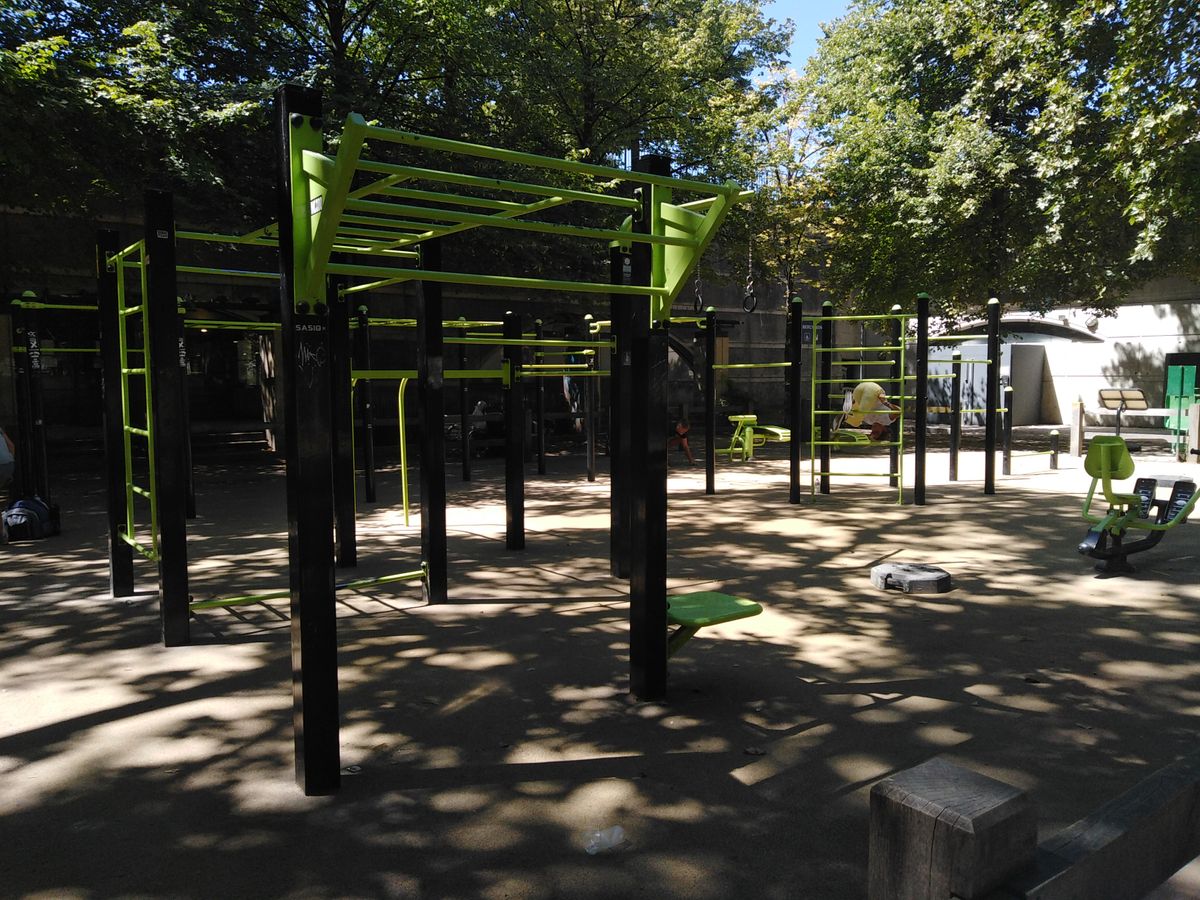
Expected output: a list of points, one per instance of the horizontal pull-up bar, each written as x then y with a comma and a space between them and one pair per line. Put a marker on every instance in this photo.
855, 362
465, 218
901, 317
445, 145
220, 602
70, 307
525, 342
253, 240
501, 184
507, 281
766, 365
232, 273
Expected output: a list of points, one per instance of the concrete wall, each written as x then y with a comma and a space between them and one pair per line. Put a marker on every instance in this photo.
1162, 318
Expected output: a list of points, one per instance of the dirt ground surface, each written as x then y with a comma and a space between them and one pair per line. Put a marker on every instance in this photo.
482, 739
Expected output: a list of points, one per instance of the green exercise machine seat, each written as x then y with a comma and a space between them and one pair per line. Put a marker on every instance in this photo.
691, 612
1108, 459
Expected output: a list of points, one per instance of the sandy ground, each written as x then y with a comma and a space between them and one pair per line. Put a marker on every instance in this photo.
481, 739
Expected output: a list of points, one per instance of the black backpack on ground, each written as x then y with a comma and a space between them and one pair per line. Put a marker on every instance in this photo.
30, 520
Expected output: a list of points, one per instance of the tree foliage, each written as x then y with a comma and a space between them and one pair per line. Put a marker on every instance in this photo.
1044, 152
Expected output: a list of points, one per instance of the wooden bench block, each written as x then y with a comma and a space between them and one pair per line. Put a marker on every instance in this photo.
939, 831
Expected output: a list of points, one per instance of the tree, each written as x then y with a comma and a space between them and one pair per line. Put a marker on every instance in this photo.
986, 148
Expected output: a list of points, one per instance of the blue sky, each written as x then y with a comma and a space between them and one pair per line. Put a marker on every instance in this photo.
808, 16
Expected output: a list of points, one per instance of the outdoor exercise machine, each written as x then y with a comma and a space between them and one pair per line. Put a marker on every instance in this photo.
1142, 511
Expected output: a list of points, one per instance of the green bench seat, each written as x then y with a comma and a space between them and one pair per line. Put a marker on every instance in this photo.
691, 612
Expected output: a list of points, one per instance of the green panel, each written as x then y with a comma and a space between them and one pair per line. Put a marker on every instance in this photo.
331, 190
308, 197
680, 262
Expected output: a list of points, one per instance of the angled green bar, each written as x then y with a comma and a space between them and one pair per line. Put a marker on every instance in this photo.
771, 365
445, 145
537, 284
515, 224
232, 273
253, 240
448, 199
499, 184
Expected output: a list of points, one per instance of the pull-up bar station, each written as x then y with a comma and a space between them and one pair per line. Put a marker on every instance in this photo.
395, 209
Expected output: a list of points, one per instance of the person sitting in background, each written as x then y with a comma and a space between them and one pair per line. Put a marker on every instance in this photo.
679, 439
869, 406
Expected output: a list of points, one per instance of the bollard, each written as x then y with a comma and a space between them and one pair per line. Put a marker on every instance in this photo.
1054, 449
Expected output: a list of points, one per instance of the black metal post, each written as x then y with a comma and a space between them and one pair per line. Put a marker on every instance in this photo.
431, 370
1054, 449
895, 435
120, 554
710, 401
955, 412
821, 387
26, 470
795, 388
539, 403
163, 367
342, 411
304, 376
39, 468
591, 402
921, 426
185, 407
648, 470
514, 439
621, 396
465, 423
992, 399
1006, 432
366, 406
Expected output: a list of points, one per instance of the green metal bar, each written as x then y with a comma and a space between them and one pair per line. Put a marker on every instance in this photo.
449, 199
403, 448
383, 374
855, 474
140, 491
465, 218
505, 281
50, 351
149, 552
572, 373
556, 366
253, 239
132, 371
131, 311
138, 247
245, 599
859, 350
444, 145
853, 381
518, 187
771, 365
72, 307
231, 325
140, 432
230, 273
859, 444
544, 342
903, 317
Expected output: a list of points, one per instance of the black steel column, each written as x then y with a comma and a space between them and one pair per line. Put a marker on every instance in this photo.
539, 400
465, 423
648, 469
165, 346
514, 439
591, 402
35, 407
366, 405
431, 370
1006, 424
25, 478
921, 426
795, 387
992, 399
955, 412
120, 554
304, 376
710, 401
185, 406
898, 390
821, 392
342, 411
620, 398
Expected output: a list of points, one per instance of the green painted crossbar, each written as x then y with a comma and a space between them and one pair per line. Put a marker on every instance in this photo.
691, 612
